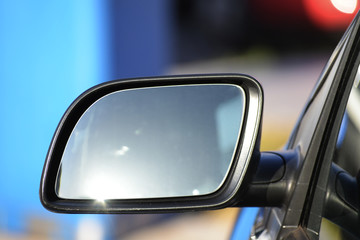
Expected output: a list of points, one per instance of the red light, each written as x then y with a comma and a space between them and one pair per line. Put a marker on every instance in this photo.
325, 15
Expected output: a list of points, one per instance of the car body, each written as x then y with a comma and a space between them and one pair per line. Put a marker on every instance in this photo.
299, 190
318, 135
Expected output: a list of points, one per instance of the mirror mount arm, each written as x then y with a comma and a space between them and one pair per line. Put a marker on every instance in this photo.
269, 186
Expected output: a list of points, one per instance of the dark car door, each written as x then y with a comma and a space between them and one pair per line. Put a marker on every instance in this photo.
314, 144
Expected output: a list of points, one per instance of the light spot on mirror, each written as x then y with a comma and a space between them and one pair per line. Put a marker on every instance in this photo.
345, 6
196, 192
100, 201
95, 189
122, 151
138, 132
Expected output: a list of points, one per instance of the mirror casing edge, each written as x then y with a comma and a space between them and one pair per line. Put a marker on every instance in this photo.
240, 172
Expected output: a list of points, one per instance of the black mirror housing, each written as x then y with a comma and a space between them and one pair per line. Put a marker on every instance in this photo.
242, 168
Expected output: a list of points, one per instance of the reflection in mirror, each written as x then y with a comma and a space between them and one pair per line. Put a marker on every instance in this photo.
155, 142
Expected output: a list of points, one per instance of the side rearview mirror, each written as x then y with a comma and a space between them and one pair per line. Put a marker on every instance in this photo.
155, 145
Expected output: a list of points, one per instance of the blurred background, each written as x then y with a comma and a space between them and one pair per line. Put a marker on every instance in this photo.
51, 51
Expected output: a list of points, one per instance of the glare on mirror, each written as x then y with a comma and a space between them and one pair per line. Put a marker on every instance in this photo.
155, 142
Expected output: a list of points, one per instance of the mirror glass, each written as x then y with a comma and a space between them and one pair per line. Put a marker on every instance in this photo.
153, 142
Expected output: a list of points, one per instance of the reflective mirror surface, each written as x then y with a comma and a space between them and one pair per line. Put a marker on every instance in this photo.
154, 142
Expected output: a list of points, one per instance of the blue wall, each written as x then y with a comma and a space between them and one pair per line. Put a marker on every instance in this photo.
140, 37
50, 52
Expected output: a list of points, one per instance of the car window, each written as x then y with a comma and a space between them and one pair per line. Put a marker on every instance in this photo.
317, 99
347, 154
300, 140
